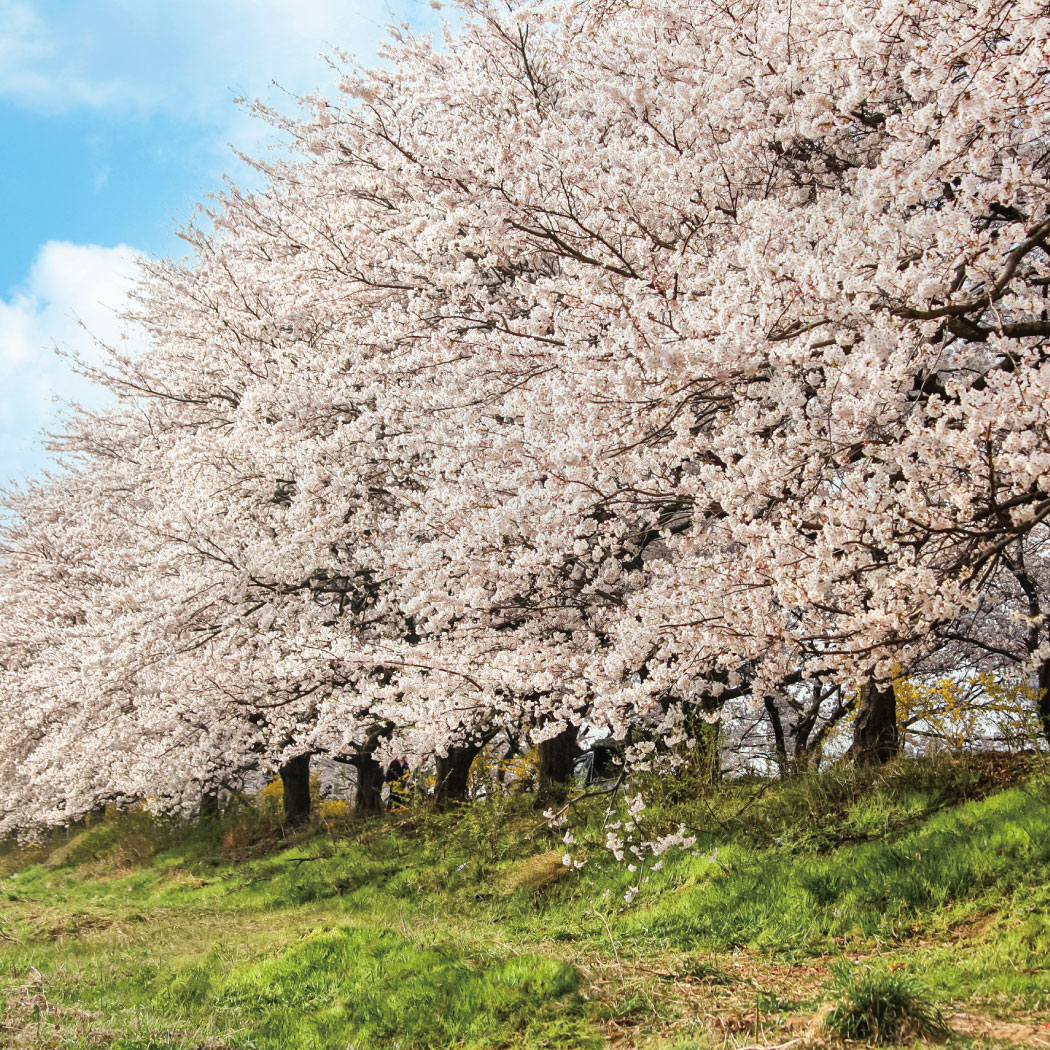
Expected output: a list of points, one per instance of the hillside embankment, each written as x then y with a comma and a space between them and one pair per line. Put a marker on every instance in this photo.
899, 905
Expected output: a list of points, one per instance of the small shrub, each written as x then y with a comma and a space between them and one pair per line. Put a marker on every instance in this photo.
882, 1006
335, 811
94, 843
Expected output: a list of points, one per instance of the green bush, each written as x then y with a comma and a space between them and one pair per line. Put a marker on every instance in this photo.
882, 1006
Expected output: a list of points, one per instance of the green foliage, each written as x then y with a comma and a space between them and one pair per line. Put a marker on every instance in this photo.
882, 1006
778, 897
844, 804
464, 928
375, 988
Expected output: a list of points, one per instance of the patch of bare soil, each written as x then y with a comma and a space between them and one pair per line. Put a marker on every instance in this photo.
30, 1020
991, 1028
744, 1001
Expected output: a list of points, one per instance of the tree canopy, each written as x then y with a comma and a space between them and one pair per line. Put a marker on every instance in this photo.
603, 364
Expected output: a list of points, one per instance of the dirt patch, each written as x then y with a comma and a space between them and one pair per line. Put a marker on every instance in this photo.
745, 1001
29, 1019
51, 924
976, 1025
973, 928
735, 1000
73, 926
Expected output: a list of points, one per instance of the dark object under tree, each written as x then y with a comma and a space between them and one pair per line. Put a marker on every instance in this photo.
369, 798
295, 779
453, 773
557, 765
876, 740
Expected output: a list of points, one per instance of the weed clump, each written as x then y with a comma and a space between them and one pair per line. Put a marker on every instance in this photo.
537, 874
882, 1006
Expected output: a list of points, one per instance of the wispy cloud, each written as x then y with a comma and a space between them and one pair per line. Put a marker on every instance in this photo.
190, 58
180, 65
69, 302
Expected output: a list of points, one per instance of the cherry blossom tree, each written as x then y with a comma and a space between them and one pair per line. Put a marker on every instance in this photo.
797, 352
596, 365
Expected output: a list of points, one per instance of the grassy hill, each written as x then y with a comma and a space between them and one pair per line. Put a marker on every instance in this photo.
825, 907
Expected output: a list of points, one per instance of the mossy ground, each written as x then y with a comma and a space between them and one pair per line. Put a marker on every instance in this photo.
428, 930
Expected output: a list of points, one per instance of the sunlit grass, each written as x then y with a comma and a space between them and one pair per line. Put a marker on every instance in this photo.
441, 930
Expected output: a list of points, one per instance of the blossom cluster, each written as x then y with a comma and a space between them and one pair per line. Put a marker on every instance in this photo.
596, 365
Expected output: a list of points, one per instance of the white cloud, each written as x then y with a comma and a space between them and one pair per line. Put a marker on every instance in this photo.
187, 59
69, 301
33, 69
130, 59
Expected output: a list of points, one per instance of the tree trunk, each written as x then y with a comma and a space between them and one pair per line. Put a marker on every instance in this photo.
810, 738
875, 738
369, 798
295, 778
557, 764
209, 806
453, 774
779, 743
1044, 697
805, 752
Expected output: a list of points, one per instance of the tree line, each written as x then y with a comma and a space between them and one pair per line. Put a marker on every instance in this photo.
629, 368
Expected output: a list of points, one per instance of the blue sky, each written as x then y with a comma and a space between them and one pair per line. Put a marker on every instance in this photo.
116, 116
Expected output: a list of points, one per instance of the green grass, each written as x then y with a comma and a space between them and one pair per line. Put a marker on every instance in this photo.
434, 930
779, 898
374, 987
882, 1006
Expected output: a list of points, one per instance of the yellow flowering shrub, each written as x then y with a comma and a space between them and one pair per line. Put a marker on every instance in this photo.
962, 708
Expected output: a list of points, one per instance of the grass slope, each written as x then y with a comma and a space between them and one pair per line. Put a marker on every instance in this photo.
845, 897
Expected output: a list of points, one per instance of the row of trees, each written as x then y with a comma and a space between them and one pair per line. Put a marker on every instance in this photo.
614, 365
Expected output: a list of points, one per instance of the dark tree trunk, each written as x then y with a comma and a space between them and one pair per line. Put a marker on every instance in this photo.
809, 739
295, 779
1044, 697
209, 806
369, 797
875, 738
779, 743
1035, 613
557, 763
803, 755
453, 774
